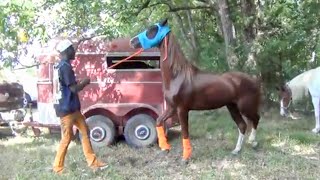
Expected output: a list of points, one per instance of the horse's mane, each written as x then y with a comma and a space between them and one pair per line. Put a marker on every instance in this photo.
299, 84
178, 62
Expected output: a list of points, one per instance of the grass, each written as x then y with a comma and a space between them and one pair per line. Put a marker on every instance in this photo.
287, 150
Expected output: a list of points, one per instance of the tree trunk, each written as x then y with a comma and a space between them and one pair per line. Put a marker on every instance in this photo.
194, 39
188, 33
228, 32
248, 9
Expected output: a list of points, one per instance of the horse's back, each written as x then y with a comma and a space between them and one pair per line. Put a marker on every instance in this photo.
248, 90
243, 80
304, 82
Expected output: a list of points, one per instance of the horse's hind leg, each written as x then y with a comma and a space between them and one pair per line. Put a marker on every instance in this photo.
250, 111
187, 149
254, 118
242, 126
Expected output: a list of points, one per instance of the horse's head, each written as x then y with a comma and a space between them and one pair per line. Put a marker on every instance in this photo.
151, 37
285, 96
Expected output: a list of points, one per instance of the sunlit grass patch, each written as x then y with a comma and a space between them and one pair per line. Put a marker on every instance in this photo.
304, 137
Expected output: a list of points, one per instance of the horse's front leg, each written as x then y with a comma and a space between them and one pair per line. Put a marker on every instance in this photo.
168, 113
187, 149
162, 139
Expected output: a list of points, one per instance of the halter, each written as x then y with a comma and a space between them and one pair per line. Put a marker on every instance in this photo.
147, 43
283, 107
281, 104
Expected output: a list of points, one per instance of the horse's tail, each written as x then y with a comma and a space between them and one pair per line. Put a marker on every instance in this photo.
260, 93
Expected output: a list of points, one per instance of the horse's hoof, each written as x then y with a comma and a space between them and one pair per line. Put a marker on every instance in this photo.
235, 152
184, 162
254, 144
164, 152
316, 130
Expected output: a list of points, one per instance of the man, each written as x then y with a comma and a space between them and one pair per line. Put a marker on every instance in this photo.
67, 107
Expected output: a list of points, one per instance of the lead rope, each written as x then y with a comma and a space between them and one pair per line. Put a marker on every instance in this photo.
125, 59
140, 50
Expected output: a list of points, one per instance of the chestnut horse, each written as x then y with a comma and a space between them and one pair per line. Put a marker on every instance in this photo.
187, 88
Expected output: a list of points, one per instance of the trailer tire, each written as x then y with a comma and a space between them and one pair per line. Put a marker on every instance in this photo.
140, 131
101, 131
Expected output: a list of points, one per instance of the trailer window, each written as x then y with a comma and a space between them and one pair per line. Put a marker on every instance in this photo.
133, 64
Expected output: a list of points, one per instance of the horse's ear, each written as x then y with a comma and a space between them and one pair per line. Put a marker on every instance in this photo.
164, 22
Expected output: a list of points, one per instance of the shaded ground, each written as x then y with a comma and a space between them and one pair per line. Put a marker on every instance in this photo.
287, 150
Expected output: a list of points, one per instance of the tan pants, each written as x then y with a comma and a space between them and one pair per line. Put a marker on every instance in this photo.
67, 123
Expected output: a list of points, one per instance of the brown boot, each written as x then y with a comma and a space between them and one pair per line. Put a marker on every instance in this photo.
98, 165
57, 170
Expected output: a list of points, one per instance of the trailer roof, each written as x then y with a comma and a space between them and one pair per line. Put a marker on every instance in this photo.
100, 45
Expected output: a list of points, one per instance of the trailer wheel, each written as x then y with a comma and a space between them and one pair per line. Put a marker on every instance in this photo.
26, 100
140, 131
101, 130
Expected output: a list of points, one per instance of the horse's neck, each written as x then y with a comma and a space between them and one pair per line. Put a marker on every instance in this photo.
175, 65
299, 85
174, 54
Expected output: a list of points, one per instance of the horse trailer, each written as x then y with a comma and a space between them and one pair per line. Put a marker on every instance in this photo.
123, 100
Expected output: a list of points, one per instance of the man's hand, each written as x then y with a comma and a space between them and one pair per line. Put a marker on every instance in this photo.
79, 87
85, 81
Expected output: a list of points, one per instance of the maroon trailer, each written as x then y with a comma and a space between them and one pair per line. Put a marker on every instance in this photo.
125, 100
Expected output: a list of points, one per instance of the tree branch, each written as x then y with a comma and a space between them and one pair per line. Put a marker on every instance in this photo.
26, 67
193, 32
79, 41
171, 8
82, 39
155, 4
182, 8
182, 29
144, 6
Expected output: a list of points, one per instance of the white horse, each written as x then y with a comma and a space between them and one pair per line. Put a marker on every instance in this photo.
298, 88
